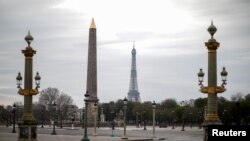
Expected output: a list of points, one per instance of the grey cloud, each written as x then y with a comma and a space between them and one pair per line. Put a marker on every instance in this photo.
214, 8
61, 39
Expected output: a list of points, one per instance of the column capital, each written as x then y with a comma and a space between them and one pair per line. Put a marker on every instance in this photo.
28, 52
212, 45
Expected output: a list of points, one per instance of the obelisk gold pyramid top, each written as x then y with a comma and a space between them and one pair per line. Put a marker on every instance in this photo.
92, 25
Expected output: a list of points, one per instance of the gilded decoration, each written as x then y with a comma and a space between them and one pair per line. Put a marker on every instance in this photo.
28, 92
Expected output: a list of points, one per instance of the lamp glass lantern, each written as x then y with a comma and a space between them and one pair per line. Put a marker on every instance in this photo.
14, 106
200, 76
19, 80
37, 79
54, 104
224, 75
125, 101
86, 96
154, 104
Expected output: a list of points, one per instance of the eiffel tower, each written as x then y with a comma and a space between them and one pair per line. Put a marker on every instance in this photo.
133, 94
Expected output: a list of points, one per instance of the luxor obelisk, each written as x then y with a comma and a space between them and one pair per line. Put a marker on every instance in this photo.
92, 73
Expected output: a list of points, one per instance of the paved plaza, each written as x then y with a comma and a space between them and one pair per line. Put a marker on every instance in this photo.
104, 134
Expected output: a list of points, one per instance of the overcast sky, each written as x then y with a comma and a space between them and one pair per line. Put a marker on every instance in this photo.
169, 38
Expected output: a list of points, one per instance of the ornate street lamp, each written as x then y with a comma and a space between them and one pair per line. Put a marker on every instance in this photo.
183, 123
14, 118
200, 120
183, 104
6, 117
95, 110
173, 120
54, 116
28, 124
224, 115
153, 106
137, 120
72, 119
191, 121
211, 117
125, 102
83, 113
144, 120
85, 137
112, 112
42, 116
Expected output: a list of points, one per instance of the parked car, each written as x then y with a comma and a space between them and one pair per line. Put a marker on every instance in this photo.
163, 125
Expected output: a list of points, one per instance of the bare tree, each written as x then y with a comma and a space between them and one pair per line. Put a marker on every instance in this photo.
63, 101
48, 96
237, 97
247, 97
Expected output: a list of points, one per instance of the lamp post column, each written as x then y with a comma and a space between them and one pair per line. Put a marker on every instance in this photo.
54, 119
85, 122
154, 106
14, 118
183, 123
85, 137
42, 116
191, 121
211, 117
95, 108
28, 124
42, 119
173, 120
7, 118
200, 120
72, 124
124, 118
113, 121
144, 120
83, 113
137, 122
183, 104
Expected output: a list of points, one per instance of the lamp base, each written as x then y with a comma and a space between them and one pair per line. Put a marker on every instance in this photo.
124, 138
53, 133
85, 139
112, 135
205, 128
27, 131
13, 131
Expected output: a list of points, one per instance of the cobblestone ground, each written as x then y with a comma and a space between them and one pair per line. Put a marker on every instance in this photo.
104, 134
